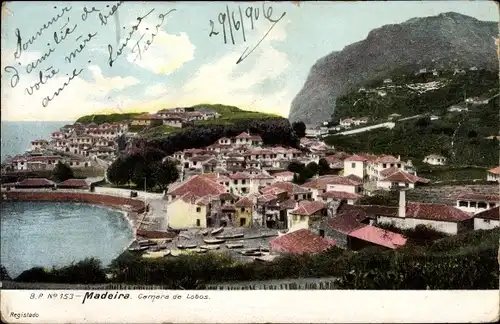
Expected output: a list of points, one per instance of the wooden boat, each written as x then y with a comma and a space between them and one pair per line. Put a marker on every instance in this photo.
199, 250
162, 246
153, 248
180, 246
251, 253
190, 246
137, 248
210, 247
187, 237
146, 243
217, 230
155, 255
234, 246
175, 253
230, 236
263, 249
204, 232
213, 241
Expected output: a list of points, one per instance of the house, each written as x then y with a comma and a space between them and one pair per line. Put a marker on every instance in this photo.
146, 120
475, 203
244, 211
434, 159
332, 195
338, 227
39, 144
300, 242
284, 176
374, 236
293, 190
208, 113
382, 93
199, 185
74, 184
440, 217
387, 81
487, 219
173, 121
35, 183
182, 109
356, 165
348, 122
458, 108
434, 117
242, 183
247, 139
397, 178
307, 212
336, 183
188, 211
493, 174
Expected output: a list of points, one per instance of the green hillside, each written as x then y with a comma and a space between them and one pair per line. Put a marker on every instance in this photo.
107, 118
410, 94
230, 114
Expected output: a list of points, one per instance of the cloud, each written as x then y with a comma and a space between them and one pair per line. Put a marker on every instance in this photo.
166, 53
79, 97
156, 90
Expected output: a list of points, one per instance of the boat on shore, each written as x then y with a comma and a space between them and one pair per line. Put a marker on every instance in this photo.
251, 253
230, 236
234, 245
214, 241
138, 248
176, 253
155, 255
198, 250
187, 237
146, 242
209, 247
217, 230
204, 232
186, 246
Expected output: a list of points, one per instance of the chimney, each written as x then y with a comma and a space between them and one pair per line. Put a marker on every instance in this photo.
402, 204
399, 157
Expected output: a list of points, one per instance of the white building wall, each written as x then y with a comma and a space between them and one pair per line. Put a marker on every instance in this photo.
344, 188
354, 167
408, 223
493, 177
470, 208
485, 224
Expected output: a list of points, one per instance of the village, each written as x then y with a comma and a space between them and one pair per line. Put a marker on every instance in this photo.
241, 192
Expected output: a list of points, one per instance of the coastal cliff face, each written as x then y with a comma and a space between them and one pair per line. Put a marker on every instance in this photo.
447, 41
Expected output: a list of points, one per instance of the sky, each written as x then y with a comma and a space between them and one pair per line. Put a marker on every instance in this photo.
171, 60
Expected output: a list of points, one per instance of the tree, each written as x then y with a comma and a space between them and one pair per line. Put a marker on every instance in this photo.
120, 171
121, 142
295, 167
62, 172
142, 175
165, 173
323, 166
312, 168
299, 128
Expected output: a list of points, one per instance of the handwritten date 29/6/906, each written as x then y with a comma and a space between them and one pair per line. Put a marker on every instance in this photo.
242, 20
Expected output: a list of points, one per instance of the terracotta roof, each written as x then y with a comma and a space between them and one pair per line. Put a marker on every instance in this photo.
300, 241
356, 158
355, 178
387, 159
260, 176
265, 198
244, 202
321, 183
309, 208
228, 207
35, 182
339, 195
479, 197
240, 176
73, 183
401, 176
228, 196
346, 222
436, 212
291, 188
495, 170
379, 236
284, 174
369, 210
200, 186
200, 158
288, 204
203, 201
244, 135
492, 213
273, 191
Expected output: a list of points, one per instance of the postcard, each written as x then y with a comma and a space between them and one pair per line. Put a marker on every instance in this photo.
249, 162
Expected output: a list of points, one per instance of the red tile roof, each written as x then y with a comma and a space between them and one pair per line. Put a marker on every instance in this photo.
387, 159
492, 213
244, 135
261, 176
369, 210
479, 197
35, 182
342, 155
244, 202
299, 242
256, 138
200, 186
356, 158
398, 175
75, 183
203, 201
437, 212
288, 204
309, 208
291, 188
240, 176
339, 195
284, 174
321, 183
379, 236
495, 170
346, 222
263, 199
355, 178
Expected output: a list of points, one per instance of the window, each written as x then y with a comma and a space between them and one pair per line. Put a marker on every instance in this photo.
243, 221
472, 204
198, 209
198, 222
235, 181
481, 205
462, 203
322, 233
384, 165
243, 190
302, 218
487, 221
243, 181
353, 165
492, 205
242, 209
399, 165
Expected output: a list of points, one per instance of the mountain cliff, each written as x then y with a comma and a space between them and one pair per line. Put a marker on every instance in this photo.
449, 40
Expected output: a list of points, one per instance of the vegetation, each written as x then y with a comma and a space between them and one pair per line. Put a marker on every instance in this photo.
402, 100
62, 172
302, 173
299, 128
465, 261
107, 118
381, 198
420, 235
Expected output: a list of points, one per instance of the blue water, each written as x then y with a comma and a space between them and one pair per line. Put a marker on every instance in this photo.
50, 234
16, 136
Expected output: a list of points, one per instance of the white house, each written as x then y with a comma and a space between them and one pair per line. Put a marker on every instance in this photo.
348, 122
397, 178
242, 184
487, 219
493, 174
39, 144
355, 165
284, 176
434, 159
475, 203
